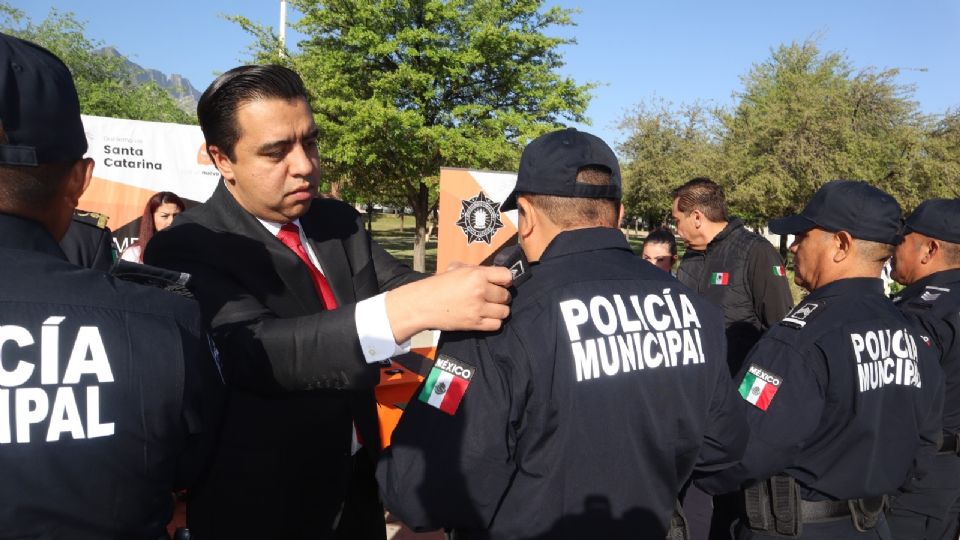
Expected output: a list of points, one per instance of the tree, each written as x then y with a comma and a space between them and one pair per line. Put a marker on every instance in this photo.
663, 149
104, 84
401, 87
805, 118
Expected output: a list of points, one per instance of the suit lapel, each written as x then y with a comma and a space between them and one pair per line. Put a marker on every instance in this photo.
333, 260
300, 289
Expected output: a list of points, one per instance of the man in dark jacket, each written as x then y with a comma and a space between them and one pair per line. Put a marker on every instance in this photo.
928, 263
844, 395
606, 390
107, 389
303, 305
736, 269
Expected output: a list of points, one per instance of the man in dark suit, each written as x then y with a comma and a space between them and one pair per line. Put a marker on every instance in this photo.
291, 286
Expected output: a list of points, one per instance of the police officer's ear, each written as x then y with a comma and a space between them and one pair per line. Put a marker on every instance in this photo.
931, 247
843, 246
528, 217
222, 162
77, 181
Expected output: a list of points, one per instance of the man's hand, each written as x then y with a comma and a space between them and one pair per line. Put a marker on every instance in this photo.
463, 298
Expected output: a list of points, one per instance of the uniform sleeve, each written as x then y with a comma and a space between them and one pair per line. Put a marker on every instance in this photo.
772, 299
451, 470
727, 432
203, 402
784, 397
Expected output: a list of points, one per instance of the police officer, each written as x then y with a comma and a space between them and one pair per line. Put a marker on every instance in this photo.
103, 384
843, 394
89, 242
928, 263
602, 394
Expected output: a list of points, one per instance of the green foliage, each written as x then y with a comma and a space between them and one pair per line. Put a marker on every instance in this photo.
104, 84
803, 118
663, 149
401, 87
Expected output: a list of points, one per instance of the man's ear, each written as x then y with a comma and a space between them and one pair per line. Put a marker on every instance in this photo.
843, 245
697, 217
222, 162
530, 220
930, 249
77, 181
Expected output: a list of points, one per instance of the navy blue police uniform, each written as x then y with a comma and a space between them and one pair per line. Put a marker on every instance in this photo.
108, 392
930, 508
845, 396
89, 242
605, 390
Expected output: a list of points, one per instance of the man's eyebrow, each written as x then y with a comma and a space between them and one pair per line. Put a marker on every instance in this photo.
272, 146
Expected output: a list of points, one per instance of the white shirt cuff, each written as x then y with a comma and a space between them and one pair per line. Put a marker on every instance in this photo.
373, 329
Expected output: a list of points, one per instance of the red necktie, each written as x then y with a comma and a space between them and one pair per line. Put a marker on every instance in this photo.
290, 236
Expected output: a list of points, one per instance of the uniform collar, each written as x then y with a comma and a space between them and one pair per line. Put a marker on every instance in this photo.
943, 277
28, 235
580, 240
860, 285
732, 225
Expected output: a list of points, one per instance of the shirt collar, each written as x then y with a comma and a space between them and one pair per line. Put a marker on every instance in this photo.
937, 278
580, 240
274, 227
25, 234
859, 285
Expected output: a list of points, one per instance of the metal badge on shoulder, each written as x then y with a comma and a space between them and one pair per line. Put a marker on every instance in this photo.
799, 317
447, 383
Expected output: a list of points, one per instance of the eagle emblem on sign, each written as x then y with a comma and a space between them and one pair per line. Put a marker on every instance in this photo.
479, 218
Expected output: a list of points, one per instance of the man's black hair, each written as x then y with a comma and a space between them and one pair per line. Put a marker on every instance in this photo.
217, 108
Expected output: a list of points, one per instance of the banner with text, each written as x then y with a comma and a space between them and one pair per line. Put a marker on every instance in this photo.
134, 160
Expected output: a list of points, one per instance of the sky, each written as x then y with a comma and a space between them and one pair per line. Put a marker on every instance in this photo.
636, 51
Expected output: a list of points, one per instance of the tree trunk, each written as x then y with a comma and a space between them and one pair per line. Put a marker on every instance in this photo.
783, 247
369, 218
401, 220
421, 212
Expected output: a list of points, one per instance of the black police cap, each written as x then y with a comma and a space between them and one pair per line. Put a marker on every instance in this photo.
39, 109
867, 213
549, 166
936, 218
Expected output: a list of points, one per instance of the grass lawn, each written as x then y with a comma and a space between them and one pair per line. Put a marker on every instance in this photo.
387, 232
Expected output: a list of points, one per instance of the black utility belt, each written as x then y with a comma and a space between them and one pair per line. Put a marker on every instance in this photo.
950, 444
774, 507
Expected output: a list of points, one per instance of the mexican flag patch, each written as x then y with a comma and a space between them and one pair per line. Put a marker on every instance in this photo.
446, 384
759, 387
720, 278
779, 271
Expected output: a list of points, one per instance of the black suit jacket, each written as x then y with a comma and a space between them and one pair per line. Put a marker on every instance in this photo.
296, 373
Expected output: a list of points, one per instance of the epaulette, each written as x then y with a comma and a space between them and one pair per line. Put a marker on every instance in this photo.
930, 295
801, 315
144, 274
96, 219
512, 257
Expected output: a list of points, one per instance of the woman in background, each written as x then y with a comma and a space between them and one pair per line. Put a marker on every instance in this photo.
660, 249
158, 214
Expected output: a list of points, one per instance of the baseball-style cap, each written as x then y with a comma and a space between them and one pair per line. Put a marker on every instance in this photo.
867, 213
39, 109
549, 166
936, 218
